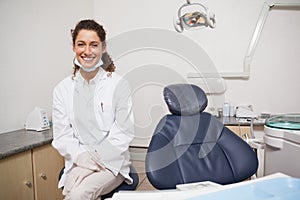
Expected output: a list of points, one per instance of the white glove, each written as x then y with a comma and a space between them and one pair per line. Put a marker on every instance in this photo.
85, 164
75, 177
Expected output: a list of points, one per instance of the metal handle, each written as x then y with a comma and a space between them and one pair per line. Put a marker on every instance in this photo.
28, 183
43, 176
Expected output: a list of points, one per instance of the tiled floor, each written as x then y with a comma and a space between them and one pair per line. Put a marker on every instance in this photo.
144, 183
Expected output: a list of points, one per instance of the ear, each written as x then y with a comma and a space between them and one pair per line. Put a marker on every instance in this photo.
73, 48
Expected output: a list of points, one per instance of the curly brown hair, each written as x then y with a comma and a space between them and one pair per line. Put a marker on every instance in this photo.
89, 24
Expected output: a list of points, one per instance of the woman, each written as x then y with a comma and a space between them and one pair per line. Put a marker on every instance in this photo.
92, 119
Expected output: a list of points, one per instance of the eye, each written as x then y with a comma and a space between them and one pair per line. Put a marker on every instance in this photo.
80, 44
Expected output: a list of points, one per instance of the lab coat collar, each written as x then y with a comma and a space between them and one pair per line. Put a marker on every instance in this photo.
101, 75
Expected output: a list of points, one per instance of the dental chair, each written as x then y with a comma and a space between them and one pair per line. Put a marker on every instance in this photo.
190, 145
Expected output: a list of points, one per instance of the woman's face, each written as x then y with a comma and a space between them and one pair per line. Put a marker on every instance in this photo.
88, 48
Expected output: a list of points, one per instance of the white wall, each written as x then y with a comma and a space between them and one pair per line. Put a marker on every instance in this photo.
273, 84
36, 50
36, 53
226, 44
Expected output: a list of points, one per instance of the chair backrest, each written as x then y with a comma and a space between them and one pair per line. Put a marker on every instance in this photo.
190, 145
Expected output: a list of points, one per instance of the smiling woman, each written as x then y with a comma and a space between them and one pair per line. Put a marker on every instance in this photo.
92, 119
88, 49
89, 45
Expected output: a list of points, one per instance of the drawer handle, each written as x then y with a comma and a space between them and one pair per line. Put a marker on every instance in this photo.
28, 183
43, 176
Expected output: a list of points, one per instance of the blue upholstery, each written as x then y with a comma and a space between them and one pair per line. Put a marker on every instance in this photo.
196, 146
178, 103
124, 186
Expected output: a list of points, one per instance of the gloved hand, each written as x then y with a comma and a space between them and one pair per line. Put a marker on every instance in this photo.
89, 160
75, 177
85, 164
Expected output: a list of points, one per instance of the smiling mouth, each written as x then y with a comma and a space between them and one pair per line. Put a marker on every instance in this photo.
87, 58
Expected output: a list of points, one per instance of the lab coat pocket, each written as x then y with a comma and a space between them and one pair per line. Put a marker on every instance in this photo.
105, 117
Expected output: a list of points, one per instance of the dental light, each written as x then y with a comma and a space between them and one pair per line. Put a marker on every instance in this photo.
193, 16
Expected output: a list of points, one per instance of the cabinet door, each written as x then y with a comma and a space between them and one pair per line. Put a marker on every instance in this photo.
241, 131
47, 164
16, 177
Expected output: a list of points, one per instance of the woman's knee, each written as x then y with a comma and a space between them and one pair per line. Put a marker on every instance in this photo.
80, 194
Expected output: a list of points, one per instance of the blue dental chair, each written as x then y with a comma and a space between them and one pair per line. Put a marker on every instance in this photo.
190, 145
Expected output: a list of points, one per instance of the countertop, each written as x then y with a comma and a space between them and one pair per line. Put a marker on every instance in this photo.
233, 121
21, 140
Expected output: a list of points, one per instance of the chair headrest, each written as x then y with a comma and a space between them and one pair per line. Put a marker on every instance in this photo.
185, 99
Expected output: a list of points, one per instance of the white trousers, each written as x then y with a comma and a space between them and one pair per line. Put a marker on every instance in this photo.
95, 185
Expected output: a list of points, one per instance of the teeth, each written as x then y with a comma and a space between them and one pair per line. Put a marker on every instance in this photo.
87, 59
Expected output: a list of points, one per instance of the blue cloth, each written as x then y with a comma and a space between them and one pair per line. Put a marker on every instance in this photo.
273, 189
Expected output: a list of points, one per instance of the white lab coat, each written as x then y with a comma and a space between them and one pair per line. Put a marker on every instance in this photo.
113, 111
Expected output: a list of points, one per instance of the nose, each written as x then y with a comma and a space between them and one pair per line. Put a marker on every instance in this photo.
87, 49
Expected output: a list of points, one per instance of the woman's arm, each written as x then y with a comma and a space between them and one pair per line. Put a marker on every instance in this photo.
122, 130
63, 134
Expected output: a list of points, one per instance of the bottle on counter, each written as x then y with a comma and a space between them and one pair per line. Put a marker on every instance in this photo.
226, 109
